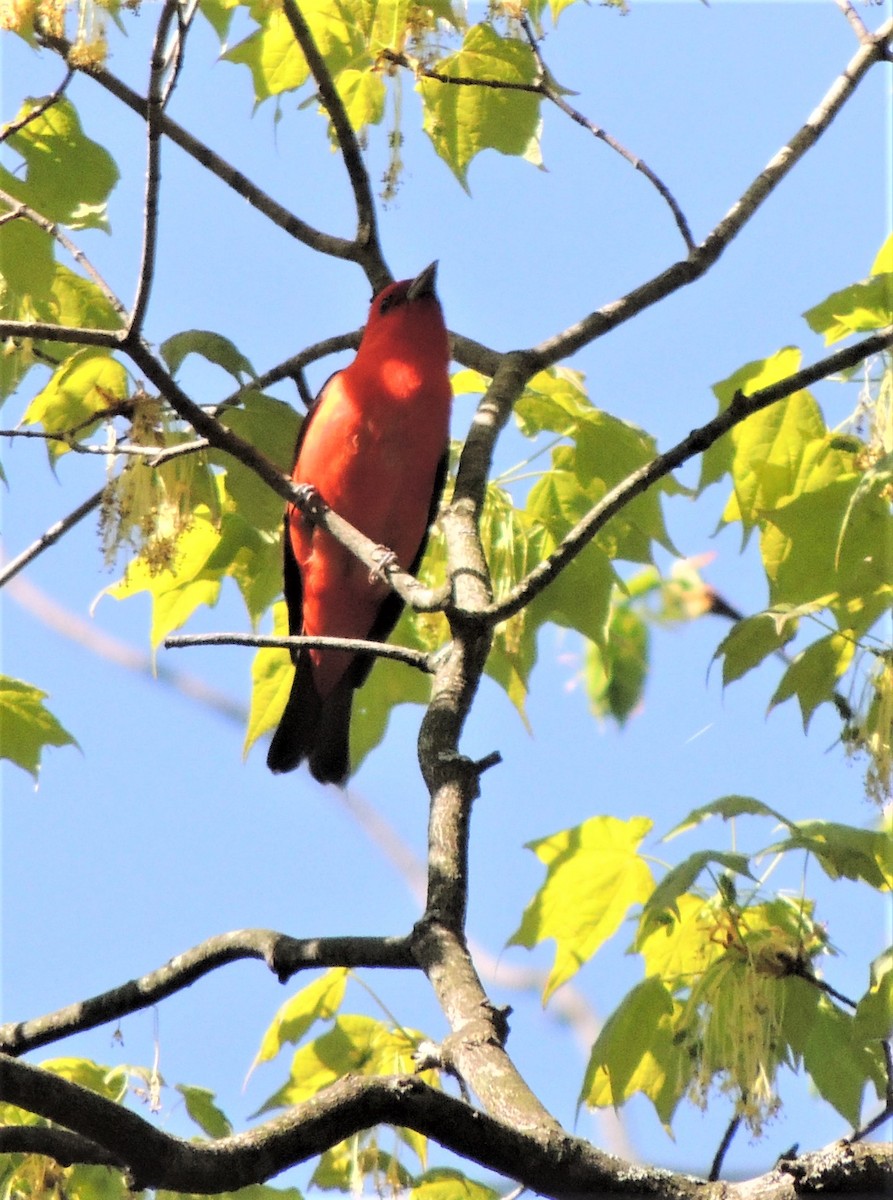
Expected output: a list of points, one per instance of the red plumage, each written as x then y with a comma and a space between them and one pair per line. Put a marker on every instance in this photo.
374, 445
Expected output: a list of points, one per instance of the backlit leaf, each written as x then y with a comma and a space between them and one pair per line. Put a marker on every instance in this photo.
201, 1107
28, 725
318, 1001
594, 876
68, 177
464, 120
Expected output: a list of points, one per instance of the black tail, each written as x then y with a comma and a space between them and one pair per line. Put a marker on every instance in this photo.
315, 729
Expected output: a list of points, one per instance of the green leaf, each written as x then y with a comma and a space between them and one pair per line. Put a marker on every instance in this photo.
363, 94
615, 675
807, 553
594, 876
635, 1051
355, 1045
859, 308
68, 177
86, 384
444, 1183
28, 725
727, 807
883, 264
680, 879
462, 120
252, 1191
318, 1001
814, 673
874, 1012
214, 347
271, 426
203, 554
839, 1066
201, 1107
718, 458
750, 642
843, 851
272, 674
110, 1082
276, 62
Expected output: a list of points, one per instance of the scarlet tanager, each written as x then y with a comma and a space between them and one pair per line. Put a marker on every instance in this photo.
374, 446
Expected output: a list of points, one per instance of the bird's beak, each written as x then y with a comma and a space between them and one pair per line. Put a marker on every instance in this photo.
424, 283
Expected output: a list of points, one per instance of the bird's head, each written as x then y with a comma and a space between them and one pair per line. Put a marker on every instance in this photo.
406, 323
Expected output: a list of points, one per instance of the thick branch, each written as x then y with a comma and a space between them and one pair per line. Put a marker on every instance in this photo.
696, 443
284, 955
551, 1163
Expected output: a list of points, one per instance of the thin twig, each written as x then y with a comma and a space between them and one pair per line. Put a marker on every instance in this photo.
325, 243
38, 110
542, 86
552, 93
50, 537
157, 99
18, 210
722, 1150
369, 249
600, 322
854, 19
404, 654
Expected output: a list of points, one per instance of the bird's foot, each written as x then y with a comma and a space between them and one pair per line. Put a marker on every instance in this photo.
385, 562
309, 501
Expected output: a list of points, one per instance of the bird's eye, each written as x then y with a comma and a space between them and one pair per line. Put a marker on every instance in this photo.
387, 302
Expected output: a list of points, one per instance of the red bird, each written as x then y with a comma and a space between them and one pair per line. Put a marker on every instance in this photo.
374, 445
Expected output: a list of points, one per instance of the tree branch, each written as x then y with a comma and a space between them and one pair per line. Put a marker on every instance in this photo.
542, 86
705, 255
162, 55
368, 247
284, 955
325, 243
38, 110
50, 537
696, 443
403, 654
552, 1163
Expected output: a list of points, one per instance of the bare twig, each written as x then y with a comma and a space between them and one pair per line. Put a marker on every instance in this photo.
544, 87
695, 443
552, 93
705, 255
325, 243
49, 537
165, 65
284, 955
367, 243
404, 654
38, 110
859, 26
723, 1148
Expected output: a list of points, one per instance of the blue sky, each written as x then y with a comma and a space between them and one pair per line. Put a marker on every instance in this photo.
157, 835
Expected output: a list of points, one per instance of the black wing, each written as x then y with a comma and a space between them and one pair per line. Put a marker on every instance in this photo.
392, 605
